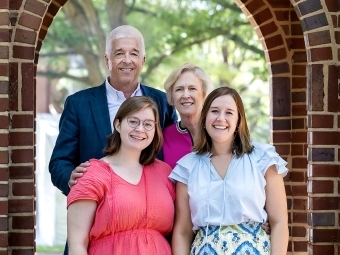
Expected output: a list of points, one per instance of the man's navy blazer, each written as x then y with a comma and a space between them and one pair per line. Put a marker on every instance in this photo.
84, 127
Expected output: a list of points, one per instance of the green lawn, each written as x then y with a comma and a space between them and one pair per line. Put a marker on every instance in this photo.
50, 249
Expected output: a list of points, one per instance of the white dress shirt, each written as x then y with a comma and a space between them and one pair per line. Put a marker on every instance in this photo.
115, 99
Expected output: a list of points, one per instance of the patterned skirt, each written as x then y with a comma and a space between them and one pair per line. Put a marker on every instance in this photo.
247, 238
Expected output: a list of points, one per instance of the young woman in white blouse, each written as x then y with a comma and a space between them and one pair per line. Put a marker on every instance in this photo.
228, 187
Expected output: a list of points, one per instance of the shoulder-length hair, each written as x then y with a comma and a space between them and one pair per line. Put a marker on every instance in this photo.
187, 67
129, 107
242, 143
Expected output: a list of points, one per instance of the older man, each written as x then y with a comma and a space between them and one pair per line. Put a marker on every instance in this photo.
88, 114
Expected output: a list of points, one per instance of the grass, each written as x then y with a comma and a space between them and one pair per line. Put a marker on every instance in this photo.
50, 248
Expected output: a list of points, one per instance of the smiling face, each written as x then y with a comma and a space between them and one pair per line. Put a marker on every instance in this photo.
125, 62
221, 120
188, 95
137, 138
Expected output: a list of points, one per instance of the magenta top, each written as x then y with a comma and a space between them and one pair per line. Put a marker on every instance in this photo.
177, 143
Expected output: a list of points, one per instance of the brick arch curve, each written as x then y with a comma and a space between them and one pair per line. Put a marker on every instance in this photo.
301, 40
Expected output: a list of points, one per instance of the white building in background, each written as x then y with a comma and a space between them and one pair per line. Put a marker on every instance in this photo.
51, 203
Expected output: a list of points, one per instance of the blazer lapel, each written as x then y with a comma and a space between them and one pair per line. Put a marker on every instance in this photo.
101, 114
146, 91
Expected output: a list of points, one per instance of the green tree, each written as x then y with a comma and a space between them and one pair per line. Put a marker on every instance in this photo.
213, 34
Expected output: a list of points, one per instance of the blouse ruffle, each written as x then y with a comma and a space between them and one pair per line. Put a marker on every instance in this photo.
264, 155
238, 197
184, 167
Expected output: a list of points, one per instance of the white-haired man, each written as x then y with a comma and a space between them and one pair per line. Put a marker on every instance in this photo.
88, 114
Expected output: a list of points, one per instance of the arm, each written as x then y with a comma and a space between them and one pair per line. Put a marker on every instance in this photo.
65, 155
80, 215
276, 206
182, 235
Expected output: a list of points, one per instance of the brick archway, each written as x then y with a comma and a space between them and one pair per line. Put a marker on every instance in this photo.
301, 41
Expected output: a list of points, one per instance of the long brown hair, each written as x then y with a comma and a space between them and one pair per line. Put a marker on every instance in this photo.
129, 107
242, 143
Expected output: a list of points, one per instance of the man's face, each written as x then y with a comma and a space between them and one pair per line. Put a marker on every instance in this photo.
125, 62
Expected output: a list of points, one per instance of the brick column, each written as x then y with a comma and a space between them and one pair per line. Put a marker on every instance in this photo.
21, 113
323, 158
4, 124
320, 23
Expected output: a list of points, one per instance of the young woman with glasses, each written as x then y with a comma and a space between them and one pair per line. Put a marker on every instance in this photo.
124, 203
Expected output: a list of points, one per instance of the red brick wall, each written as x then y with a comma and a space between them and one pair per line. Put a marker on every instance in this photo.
301, 41
320, 23
278, 27
20, 29
4, 124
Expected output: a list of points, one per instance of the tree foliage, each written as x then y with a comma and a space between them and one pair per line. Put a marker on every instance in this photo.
213, 34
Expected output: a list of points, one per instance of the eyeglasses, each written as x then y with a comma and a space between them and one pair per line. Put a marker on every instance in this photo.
135, 122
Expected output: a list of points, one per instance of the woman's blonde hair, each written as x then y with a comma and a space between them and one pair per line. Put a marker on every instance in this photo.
187, 67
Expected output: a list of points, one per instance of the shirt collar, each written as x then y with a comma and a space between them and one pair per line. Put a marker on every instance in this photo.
116, 94
181, 130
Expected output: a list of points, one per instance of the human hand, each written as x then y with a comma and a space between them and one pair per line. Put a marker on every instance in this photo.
77, 173
266, 227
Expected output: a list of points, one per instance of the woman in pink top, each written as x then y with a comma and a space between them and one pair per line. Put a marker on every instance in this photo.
186, 88
124, 203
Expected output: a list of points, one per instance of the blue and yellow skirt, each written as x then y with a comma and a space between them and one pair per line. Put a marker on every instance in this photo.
244, 238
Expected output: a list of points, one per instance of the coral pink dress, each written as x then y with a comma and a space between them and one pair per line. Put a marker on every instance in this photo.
130, 219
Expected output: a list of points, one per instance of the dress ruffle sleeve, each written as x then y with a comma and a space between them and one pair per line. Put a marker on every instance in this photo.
183, 168
266, 156
92, 185
95, 185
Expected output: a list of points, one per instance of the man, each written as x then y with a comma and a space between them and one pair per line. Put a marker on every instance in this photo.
88, 114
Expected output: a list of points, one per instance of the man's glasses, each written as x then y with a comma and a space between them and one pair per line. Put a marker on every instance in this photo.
135, 122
